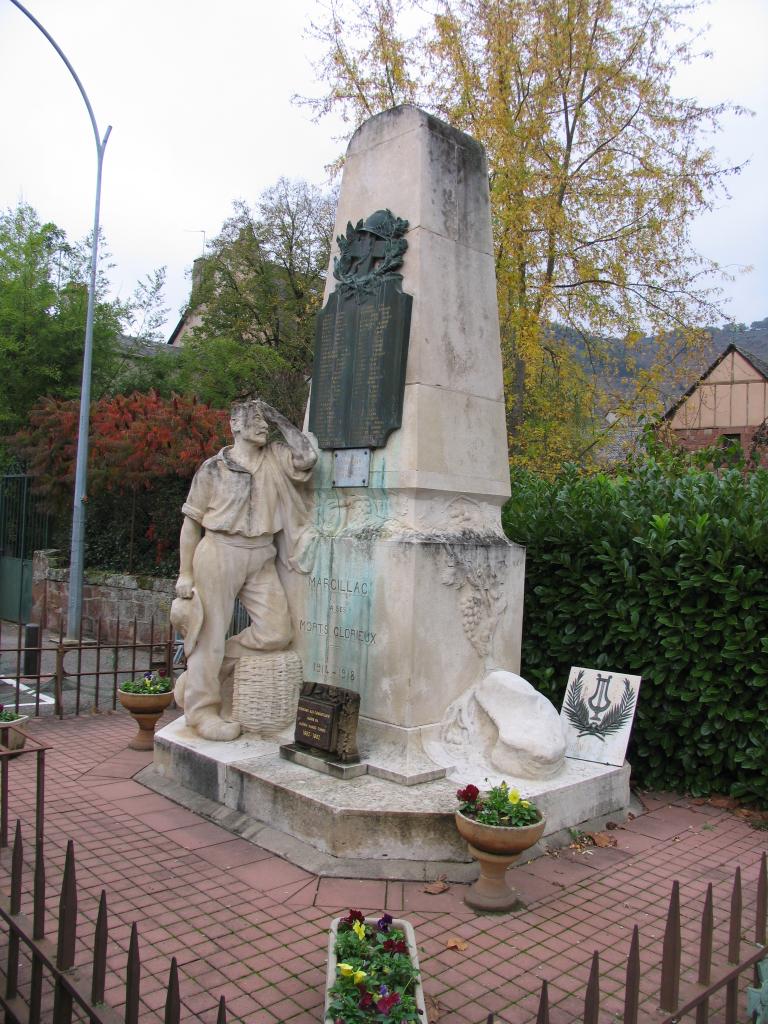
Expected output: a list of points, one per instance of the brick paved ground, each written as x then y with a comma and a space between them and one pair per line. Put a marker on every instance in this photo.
246, 924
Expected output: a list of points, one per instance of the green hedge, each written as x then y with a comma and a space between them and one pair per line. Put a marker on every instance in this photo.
663, 574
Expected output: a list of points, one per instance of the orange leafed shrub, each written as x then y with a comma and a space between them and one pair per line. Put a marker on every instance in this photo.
136, 441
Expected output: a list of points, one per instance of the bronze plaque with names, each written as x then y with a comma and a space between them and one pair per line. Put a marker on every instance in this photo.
361, 339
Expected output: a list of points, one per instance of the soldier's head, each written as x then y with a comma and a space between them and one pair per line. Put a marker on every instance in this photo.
247, 421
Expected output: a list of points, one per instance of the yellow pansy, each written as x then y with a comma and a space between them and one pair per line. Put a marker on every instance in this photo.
346, 970
514, 796
525, 803
359, 976
359, 929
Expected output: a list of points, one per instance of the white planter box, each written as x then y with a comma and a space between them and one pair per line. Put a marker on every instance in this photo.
410, 938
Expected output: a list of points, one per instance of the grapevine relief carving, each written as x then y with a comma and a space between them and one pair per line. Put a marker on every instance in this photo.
482, 600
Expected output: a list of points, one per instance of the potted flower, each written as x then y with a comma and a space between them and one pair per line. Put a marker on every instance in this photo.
10, 738
373, 972
498, 826
146, 699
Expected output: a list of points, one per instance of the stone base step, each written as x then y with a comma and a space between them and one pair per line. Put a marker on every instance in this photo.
365, 827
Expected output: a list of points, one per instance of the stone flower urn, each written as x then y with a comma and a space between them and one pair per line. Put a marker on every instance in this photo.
146, 709
495, 847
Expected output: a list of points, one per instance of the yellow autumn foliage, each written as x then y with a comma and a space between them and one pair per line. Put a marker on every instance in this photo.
597, 170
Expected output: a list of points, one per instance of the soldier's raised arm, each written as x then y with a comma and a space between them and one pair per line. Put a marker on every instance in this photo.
304, 455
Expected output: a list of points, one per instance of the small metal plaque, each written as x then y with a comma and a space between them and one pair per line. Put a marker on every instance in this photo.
351, 467
315, 722
326, 720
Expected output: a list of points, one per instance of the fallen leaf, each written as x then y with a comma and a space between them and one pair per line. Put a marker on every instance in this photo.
726, 802
602, 839
434, 1009
580, 840
454, 943
435, 888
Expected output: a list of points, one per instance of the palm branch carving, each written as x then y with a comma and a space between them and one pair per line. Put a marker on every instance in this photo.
575, 707
615, 718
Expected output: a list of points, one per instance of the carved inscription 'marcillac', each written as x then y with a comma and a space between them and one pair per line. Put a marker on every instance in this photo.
361, 339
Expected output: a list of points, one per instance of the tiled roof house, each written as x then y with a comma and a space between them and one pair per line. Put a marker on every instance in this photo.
729, 402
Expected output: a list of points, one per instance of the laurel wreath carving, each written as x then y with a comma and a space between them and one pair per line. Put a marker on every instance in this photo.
615, 718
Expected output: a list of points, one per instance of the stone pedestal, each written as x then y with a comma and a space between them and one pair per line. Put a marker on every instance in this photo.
407, 620
366, 826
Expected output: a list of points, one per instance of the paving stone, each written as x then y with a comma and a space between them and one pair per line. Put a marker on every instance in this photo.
199, 836
232, 853
664, 823
343, 894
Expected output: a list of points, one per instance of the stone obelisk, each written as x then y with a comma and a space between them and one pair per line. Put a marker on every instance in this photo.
415, 594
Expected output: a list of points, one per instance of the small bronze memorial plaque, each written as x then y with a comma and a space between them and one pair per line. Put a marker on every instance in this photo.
361, 339
326, 720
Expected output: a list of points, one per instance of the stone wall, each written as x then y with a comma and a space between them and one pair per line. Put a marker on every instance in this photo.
106, 596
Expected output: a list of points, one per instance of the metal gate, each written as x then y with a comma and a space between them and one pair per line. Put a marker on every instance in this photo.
24, 527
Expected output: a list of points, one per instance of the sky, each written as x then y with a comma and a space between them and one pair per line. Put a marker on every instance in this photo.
199, 98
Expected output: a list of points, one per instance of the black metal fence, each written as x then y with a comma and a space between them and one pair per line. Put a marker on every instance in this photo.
688, 981
42, 982
42, 673
84, 988
10, 750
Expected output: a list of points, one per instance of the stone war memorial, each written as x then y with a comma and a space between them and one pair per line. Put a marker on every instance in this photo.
342, 738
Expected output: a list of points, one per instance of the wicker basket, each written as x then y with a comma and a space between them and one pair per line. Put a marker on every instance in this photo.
266, 691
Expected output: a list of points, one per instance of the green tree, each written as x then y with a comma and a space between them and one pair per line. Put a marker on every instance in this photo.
597, 172
43, 303
257, 293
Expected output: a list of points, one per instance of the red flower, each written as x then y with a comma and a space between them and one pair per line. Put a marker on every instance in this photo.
366, 1001
385, 1003
395, 946
469, 794
352, 916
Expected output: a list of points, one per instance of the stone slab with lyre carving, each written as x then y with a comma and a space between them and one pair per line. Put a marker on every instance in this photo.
597, 714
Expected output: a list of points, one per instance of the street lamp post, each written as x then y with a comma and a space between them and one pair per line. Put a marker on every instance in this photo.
75, 603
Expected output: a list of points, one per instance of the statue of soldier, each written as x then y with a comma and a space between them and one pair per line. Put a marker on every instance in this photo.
248, 500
